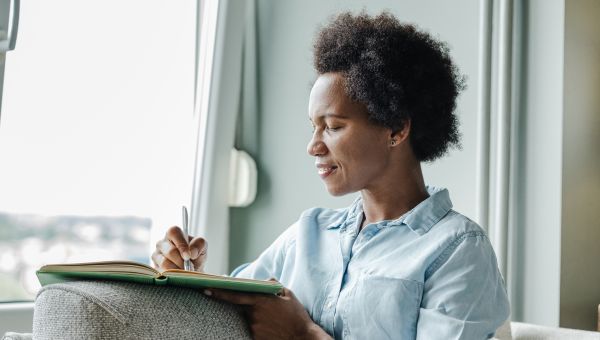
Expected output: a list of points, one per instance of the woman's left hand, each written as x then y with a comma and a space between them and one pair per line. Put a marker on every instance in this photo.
273, 317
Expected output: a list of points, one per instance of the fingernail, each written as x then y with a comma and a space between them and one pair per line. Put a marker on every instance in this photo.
186, 255
207, 292
195, 253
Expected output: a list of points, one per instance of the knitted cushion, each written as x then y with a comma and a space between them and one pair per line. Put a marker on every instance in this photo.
121, 310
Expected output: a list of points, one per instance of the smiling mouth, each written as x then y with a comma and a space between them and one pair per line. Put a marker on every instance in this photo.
326, 171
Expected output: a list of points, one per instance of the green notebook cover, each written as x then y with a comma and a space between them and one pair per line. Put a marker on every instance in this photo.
141, 273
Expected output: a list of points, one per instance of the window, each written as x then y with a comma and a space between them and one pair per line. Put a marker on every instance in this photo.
96, 152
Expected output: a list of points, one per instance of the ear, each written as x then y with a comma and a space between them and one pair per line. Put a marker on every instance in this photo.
399, 136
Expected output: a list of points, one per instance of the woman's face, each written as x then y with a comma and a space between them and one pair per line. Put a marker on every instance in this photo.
351, 153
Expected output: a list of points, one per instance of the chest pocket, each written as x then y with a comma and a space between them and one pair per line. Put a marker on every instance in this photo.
382, 308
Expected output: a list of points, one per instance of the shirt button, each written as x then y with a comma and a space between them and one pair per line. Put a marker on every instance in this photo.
329, 304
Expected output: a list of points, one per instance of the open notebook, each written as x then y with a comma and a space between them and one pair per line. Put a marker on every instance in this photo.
141, 273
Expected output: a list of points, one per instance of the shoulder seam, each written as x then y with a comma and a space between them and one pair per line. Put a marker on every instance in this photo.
449, 250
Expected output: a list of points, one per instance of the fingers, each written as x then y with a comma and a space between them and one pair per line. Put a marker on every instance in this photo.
234, 297
282, 292
156, 259
167, 254
173, 249
175, 235
167, 249
197, 247
163, 263
286, 293
198, 252
159, 259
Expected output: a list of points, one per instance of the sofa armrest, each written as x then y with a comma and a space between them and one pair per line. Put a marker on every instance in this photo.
122, 310
527, 331
16, 336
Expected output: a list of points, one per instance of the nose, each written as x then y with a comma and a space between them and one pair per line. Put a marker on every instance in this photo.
315, 146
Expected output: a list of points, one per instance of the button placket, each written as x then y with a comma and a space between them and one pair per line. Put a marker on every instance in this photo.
327, 314
329, 303
347, 237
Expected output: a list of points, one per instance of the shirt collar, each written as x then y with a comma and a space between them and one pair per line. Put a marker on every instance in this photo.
429, 212
354, 210
420, 219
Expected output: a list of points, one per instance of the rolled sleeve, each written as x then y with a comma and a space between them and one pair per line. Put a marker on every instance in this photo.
464, 295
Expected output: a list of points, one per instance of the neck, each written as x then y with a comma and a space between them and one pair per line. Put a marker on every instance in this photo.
392, 198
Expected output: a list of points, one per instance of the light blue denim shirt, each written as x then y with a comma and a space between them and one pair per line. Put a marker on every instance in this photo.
430, 274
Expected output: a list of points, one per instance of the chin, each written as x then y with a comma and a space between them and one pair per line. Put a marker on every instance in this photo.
336, 191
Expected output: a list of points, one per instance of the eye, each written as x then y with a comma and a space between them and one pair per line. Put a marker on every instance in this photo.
332, 128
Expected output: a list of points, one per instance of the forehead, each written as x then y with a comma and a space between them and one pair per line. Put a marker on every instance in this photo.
328, 97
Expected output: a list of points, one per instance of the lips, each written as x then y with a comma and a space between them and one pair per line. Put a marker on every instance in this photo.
325, 170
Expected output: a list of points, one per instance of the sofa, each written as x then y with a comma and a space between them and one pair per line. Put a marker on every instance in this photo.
120, 310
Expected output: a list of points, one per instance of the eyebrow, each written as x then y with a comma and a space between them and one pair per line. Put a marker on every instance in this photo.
331, 115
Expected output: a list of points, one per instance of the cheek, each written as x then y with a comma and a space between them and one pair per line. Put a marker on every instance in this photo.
362, 154
341, 149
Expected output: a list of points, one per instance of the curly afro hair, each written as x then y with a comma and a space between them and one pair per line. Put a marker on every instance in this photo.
399, 72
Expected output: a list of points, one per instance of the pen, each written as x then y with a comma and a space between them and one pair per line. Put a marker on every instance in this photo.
187, 264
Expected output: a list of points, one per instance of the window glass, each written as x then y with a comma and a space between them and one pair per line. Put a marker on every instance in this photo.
96, 135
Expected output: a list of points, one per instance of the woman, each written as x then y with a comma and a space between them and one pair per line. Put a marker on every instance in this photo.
399, 262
